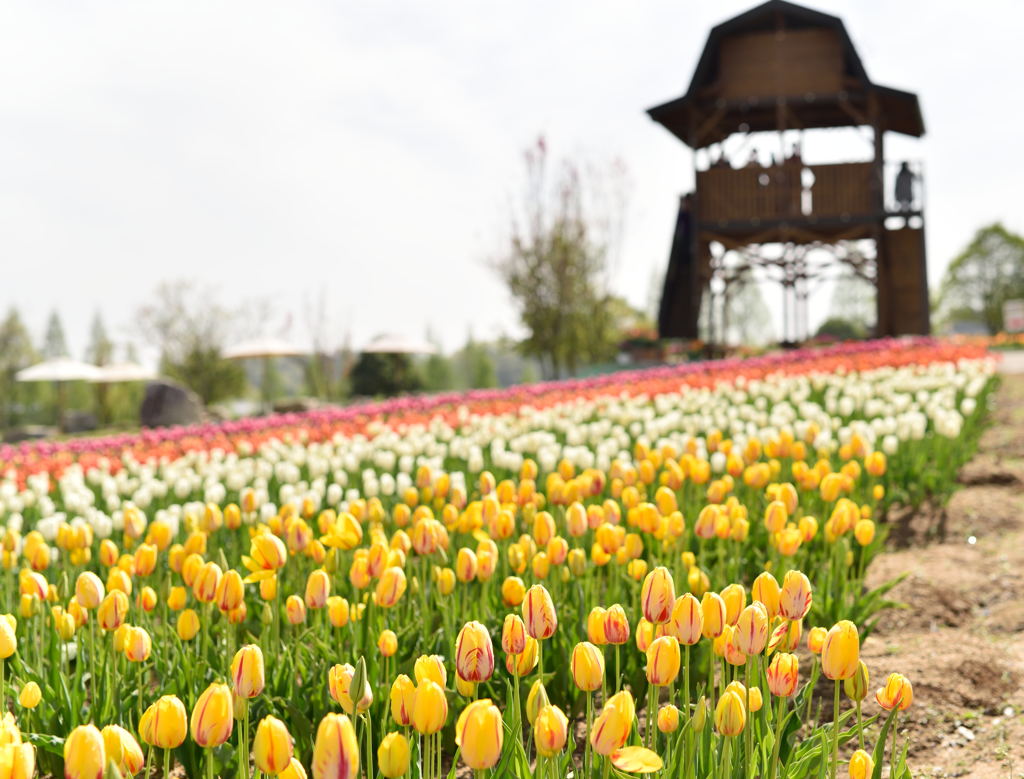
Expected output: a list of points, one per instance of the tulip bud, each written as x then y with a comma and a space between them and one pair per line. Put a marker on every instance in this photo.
586, 664
816, 639
668, 718
337, 611
536, 699
795, 596
137, 645
403, 696
513, 591
387, 643
550, 731
187, 625
112, 610
595, 626
393, 755
335, 751
841, 651
857, 685
479, 734
213, 716
766, 590
272, 746
735, 598
30, 695
430, 667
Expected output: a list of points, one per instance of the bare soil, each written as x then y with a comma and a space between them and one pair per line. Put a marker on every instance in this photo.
960, 638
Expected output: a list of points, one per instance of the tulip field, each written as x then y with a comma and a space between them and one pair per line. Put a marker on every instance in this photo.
655, 572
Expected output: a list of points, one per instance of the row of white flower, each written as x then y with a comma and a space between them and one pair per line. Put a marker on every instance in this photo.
885, 408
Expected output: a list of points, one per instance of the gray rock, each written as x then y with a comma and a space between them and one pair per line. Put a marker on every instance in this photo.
166, 403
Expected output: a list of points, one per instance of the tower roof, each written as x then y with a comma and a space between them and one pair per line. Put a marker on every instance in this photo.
781, 65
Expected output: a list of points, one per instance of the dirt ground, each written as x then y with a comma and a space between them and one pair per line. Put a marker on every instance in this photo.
961, 638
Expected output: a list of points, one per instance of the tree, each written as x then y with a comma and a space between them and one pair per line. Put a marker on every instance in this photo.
987, 273
383, 374
101, 348
556, 264
16, 352
190, 327
437, 369
54, 342
853, 301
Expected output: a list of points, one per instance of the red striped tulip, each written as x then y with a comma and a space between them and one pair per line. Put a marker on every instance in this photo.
658, 596
123, 749
165, 723
403, 697
613, 725
586, 664
730, 714
897, 692
539, 613
550, 731
513, 634
687, 620
85, 755
272, 747
393, 755
783, 675
841, 651
663, 661
616, 625
474, 653
751, 633
795, 597
213, 716
248, 673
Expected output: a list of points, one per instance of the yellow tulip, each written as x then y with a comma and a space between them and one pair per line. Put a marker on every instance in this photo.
339, 681
248, 672
85, 755
754, 694
112, 610
393, 755
783, 675
513, 634
658, 596
30, 695
523, 663
539, 613
616, 625
861, 765
430, 708
896, 692
403, 699
816, 639
663, 661
730, 714
335, 751
636, 760
145, 559
391, 587
17, 761
513, 591
123, 749
586, 664
479, 734
177, 598
213, 716
751, 634
612, 727
272, 746
337, 611
712, 609
668, 718
8, 637
644, 634
735, 598
841, 651
230, 591
765, 589
187, 625
267, 554
795, 596
387, 643
595, 626
687, 620
147, 599
293, 771
164, 724
474, 653
137, 645
89, 590
207, 580
295, 610
550, 731
431, 667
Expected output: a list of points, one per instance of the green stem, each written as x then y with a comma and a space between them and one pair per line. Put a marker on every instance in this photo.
588, 761
618, 681
243, 746
835, 731
167, 764
748, 732
892, 757
149, 762
209, 764
860, 726
779, 715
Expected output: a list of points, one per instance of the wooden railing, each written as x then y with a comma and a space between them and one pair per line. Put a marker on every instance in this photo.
777, 193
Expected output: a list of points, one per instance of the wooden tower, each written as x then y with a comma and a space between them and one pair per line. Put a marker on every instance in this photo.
781, 67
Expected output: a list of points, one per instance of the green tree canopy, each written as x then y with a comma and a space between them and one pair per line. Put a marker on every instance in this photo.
54, 342
16, 352
555, 267
982, 277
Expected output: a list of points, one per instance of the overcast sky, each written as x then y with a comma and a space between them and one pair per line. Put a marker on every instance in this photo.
370, 149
